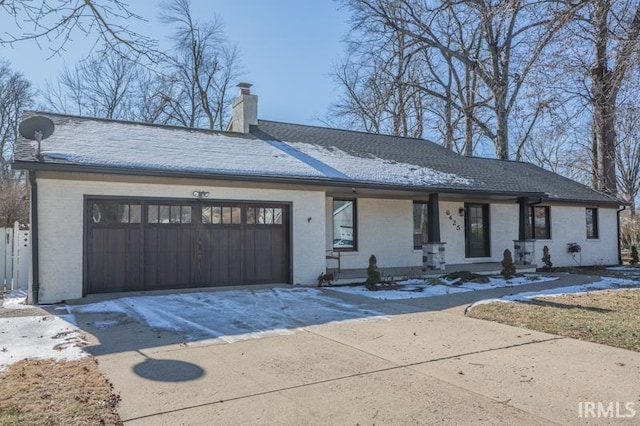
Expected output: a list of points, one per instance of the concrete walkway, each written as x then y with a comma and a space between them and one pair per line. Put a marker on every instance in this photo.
423, 363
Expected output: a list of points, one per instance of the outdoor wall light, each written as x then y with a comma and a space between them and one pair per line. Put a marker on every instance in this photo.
461, 211
201, 194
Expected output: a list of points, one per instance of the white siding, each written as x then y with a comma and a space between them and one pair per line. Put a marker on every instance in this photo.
568, 225
60, 207
385, 228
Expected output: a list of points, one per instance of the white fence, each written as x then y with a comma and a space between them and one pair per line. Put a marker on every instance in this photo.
14, 258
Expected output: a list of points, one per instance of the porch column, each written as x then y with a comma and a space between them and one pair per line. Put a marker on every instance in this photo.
525, 246
433, 250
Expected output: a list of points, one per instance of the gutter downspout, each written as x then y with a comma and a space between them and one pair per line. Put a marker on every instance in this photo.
619, 244
536, 202
35, 270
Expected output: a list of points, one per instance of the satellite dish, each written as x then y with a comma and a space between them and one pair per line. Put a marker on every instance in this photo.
37, 127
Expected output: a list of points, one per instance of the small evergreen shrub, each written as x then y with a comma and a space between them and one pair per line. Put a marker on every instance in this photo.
546, 258
508, 268
373, 275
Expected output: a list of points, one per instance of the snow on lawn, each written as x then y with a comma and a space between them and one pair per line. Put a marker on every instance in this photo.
606, 283
230, 315
42, 337
15, 300
416, 288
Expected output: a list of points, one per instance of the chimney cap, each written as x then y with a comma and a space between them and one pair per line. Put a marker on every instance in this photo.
244, 85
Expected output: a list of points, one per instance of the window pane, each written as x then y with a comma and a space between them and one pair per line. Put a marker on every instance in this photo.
135, 213
268, 216
186, 214
175, 214
251, 215
96, 213
343, 224
592, 222
235, 215
124, 213
226, 215
152, 214
419, 224
540, 222
107, 213
277, 216
216, 215
164, 214
260, 216
206, 214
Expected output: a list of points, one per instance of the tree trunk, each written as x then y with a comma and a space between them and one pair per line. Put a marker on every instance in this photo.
604, 106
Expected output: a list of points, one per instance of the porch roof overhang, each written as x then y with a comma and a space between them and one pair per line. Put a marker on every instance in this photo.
332, 186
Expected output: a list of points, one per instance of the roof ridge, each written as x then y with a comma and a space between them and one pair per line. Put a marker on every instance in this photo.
140, 123
315, 126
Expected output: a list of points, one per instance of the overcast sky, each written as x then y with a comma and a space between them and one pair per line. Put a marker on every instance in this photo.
287, 50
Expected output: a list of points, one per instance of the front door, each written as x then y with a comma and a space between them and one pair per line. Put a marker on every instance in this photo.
477, 230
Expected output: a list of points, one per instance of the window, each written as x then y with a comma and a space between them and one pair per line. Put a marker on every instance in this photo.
221, 215
420, 219
108, 213
264, 216
592, 223
162, 214
540, 222
344, 227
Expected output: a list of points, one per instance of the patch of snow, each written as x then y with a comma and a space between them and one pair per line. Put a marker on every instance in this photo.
130, 145
606, 283
417, 288
374, 169
16, 299
41, 337
231, 315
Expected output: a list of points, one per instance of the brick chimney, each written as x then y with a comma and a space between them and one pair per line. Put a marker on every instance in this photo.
245, 110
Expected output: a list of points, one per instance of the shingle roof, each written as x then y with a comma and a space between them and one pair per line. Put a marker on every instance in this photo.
487, 174
303, 153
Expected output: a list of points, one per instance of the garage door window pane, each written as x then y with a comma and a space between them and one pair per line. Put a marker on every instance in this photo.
251, 215
216, 215
135, 213
164, 214
277, 216
206, 215
186, 214
268, 216
235, 215
152, 214
226, 215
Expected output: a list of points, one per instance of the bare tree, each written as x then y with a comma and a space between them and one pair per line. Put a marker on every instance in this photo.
614, 30
14, 202
15, 95
378, 80
628, 153
55, 22
101, 86
202, 69
513, 35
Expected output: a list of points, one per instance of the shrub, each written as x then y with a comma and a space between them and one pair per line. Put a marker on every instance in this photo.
508, 268
546, 258
373, 275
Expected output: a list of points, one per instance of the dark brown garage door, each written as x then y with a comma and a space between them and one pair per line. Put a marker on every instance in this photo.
133, 245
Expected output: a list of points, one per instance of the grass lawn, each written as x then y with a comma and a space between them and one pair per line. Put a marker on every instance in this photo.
610, 317
36, 392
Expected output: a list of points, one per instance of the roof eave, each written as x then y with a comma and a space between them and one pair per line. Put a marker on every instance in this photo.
299, 180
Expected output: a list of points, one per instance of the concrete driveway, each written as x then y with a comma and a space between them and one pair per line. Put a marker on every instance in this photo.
417, 361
